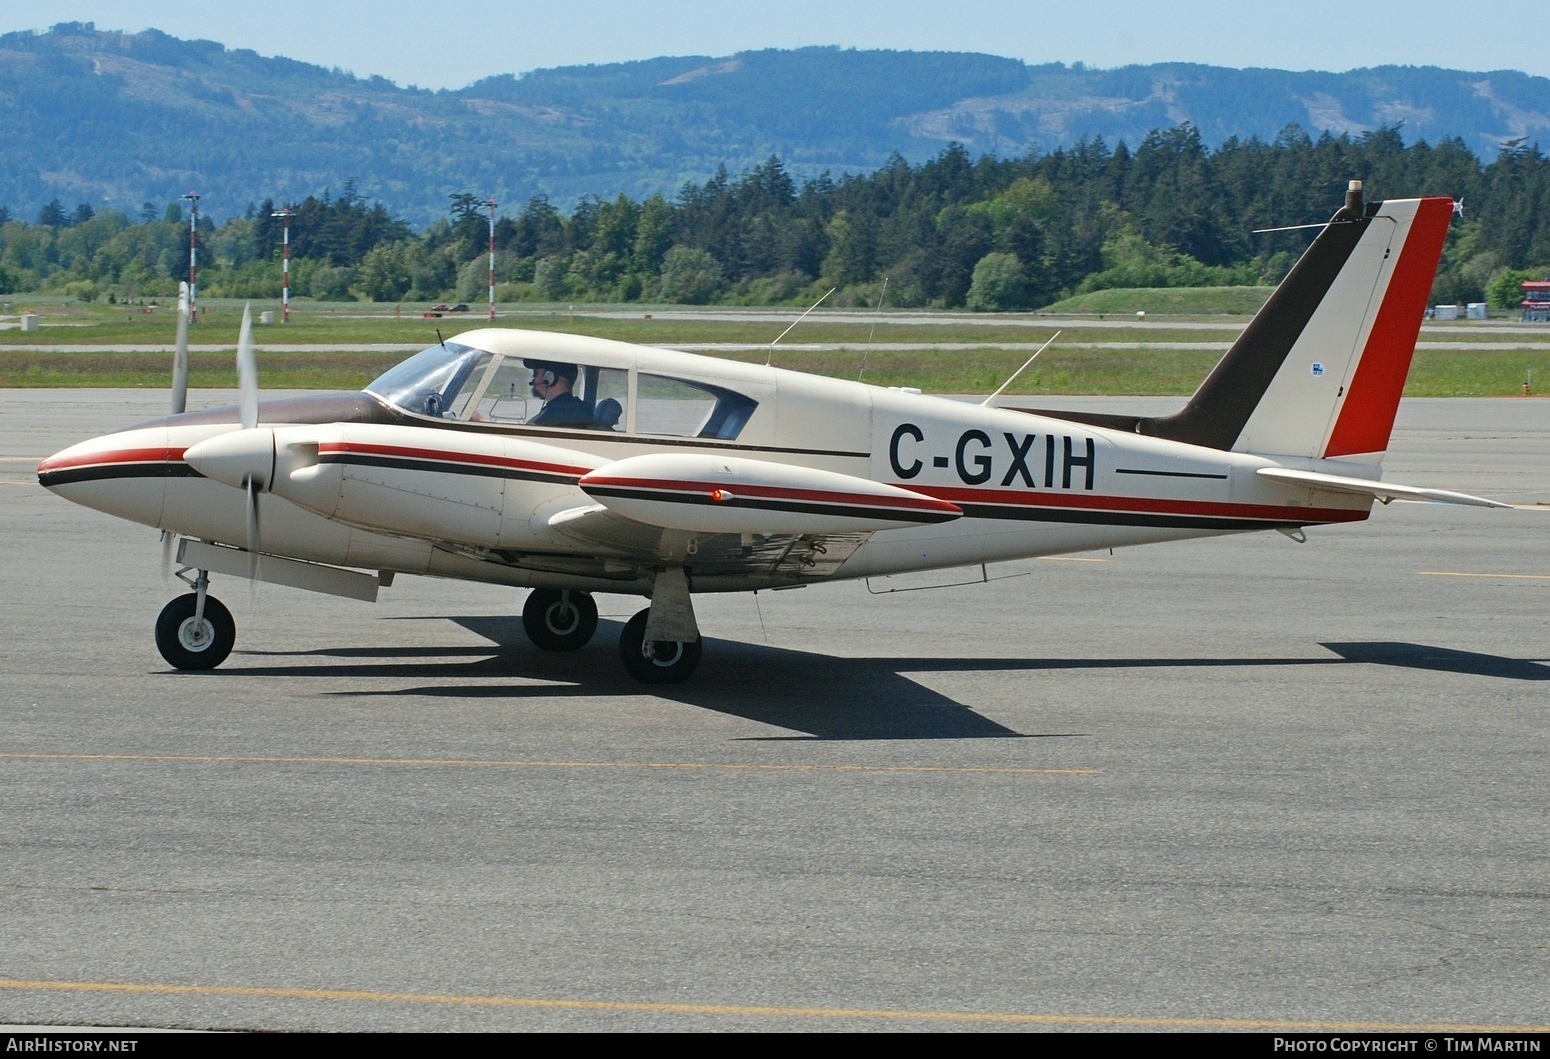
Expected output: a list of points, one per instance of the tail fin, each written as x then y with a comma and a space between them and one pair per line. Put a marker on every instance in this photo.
1319, 370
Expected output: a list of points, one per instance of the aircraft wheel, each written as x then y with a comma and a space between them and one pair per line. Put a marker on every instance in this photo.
559, 621
189, 644
658, 661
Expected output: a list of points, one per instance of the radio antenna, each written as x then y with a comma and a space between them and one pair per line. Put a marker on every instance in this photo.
798, 320
986, 402
872, 332
1289, 228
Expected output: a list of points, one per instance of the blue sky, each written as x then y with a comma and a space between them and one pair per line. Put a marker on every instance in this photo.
450, 45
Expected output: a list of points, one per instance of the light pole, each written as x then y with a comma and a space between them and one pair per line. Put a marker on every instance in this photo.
193, 256
285, 263
491, 203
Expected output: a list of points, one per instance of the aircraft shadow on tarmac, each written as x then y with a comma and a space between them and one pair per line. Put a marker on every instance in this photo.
823, 696
1441, 660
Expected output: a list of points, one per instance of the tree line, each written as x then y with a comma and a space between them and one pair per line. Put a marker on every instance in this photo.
985, 233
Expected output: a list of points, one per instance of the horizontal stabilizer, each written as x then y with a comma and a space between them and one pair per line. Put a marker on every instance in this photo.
718, 494
1384, 491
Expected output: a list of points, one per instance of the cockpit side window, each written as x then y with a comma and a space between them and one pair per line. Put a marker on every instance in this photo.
607, 390
505, 397
522, 390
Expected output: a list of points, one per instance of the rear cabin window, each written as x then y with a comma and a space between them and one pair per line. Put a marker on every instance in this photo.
677, 408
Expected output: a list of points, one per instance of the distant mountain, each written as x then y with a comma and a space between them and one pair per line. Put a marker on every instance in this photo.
118, 119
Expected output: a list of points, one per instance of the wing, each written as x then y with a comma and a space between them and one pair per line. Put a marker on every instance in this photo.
738, 518
774, 556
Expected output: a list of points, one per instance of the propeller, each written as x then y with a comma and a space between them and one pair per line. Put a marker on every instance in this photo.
247, 400
232, 457
247, 371
179, 406
180, 355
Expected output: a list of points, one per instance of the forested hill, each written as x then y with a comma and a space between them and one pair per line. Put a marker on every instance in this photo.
116, 120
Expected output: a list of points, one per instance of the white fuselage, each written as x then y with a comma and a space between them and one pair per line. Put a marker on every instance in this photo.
494, 501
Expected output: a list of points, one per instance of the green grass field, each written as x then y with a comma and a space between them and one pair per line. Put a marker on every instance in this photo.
1175, 301
368, 324
999, 344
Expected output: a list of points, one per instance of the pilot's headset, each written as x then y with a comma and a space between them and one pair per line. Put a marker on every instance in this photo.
546, 375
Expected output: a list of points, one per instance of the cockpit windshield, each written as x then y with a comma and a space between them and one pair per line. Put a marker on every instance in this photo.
430, 382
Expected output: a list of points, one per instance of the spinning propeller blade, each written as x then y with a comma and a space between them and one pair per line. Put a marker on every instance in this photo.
179, 406
252, 512
247, 371
180, 355
247, 388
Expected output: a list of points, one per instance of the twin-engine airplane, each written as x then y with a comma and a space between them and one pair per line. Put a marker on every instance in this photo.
662, 474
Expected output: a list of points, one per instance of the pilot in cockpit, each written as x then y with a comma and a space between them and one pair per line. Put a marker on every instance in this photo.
553, 383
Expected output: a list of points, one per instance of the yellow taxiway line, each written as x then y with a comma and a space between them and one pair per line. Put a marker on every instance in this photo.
1467, 573
768, 1011
213, 759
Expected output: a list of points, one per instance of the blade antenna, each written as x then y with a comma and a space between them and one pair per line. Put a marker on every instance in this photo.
872, 332
798, 320
986, 403
180, 355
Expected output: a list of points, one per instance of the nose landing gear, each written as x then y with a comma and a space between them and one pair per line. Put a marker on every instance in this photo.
195, 631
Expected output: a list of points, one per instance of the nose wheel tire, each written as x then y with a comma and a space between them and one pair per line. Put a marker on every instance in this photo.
187, 643
656, 661
559, 620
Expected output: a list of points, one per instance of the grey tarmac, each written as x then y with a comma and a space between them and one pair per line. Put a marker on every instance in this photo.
1229, 783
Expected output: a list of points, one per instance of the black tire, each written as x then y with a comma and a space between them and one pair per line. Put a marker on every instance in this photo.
187, 645
665, 662
559, 621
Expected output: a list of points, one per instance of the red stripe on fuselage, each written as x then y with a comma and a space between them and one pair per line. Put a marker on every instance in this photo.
159, 454
1367, 416
1147, 505
441, 456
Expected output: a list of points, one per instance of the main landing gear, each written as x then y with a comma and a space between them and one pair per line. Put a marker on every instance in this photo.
557, 620
656, 661
195, 631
